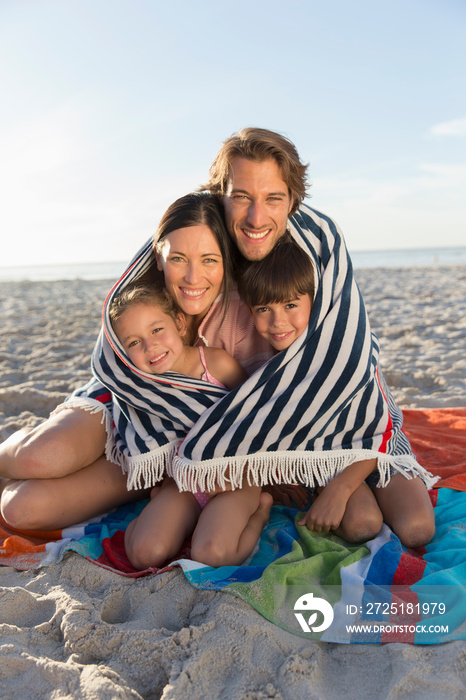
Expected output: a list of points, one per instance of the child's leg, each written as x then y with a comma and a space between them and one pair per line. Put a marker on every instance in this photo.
407, 509
159, 531
230, 526
362, 519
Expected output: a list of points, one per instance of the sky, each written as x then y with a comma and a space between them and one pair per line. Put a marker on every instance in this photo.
111, 109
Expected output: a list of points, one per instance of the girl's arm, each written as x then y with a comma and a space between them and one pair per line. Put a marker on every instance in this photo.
224, 367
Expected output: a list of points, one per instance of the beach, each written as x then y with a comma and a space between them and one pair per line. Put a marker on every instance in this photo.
75, 630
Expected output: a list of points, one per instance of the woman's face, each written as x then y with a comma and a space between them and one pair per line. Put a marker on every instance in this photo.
192, 265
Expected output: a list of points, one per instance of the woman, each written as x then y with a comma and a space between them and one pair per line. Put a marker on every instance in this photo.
60, 472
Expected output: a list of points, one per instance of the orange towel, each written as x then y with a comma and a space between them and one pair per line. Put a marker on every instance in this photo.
438, 439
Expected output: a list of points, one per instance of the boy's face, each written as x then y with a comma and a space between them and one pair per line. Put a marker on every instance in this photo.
151, 339
283, 322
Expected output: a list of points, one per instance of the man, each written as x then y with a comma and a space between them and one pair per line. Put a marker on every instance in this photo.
261, 181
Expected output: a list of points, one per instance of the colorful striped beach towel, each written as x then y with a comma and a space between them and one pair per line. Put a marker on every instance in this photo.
374, 592
303, 417
378, 591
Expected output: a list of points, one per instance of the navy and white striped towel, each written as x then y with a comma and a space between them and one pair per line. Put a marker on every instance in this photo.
303, 417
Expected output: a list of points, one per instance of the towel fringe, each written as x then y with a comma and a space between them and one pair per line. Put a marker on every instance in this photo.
308, 469
146, 470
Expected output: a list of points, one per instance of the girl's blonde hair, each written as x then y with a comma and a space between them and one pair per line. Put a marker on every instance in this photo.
143, 293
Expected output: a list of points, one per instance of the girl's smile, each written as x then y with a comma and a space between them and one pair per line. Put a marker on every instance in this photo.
151, 338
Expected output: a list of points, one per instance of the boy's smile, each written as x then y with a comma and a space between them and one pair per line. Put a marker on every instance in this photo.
281, 323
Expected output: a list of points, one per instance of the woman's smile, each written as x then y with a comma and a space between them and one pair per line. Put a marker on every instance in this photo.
194, 293
192, 264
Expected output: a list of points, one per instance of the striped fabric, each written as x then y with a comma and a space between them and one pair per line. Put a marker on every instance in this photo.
303, 417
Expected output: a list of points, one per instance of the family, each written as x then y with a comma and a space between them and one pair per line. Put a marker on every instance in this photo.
235, 365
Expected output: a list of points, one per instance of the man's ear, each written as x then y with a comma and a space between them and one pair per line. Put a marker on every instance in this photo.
180, 322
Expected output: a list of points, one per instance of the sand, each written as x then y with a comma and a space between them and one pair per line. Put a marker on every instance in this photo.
75, 630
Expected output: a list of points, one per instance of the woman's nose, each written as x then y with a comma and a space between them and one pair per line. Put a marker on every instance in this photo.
192, 274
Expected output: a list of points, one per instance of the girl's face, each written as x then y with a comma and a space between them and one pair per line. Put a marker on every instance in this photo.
192, 265
152, 340
282, 323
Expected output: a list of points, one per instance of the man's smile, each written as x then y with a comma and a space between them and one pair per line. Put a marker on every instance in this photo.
255, 234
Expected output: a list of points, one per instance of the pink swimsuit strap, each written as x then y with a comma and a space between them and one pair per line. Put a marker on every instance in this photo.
207, 377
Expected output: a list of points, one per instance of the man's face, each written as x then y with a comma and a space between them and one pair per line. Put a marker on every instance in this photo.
257, 203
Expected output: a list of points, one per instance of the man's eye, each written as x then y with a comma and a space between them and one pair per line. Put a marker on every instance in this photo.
290, 306
261, 309
133, 343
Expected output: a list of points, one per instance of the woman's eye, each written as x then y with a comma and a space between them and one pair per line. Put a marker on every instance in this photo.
176, 258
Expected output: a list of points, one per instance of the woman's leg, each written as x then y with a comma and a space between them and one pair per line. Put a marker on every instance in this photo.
68, 441
407, 509
158, 533
51, 504
230, 526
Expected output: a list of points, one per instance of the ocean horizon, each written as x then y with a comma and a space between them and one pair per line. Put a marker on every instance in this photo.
407, 257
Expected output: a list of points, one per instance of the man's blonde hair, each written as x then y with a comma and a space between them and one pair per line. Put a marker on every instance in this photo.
260, 145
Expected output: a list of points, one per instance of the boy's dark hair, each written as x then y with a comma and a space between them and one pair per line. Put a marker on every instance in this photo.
283, 274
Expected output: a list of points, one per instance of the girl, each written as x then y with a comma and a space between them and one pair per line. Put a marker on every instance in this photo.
152, 331
279, 291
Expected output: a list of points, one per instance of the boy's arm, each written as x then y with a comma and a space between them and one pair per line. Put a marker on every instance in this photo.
224, 367
329, 507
